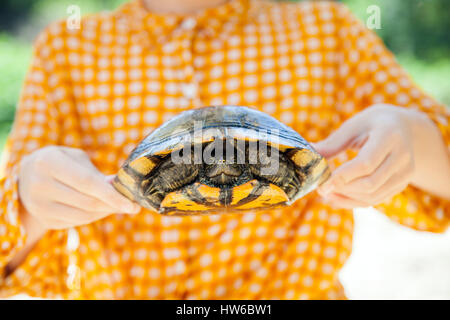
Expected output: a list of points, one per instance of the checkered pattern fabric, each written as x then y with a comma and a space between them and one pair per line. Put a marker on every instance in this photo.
106, 85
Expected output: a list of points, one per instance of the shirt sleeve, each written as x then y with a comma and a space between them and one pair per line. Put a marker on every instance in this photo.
369, 74
38, 123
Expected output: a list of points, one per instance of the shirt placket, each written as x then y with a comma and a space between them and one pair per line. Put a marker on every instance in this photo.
189, 85
189, 98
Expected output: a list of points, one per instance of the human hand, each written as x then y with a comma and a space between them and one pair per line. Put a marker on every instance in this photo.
396, 147
60, 188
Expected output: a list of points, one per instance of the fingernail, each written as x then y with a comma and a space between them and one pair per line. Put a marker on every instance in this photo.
327, 188
110, 178
316, 146
136, 209
131, 208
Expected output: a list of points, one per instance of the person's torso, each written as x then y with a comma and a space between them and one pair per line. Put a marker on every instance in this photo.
123, 81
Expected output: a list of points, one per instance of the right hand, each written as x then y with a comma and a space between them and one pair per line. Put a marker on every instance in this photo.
60, 188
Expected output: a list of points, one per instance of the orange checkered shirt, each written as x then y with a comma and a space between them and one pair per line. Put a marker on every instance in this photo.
104, 86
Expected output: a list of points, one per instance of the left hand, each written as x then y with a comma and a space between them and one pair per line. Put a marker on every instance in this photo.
392, 154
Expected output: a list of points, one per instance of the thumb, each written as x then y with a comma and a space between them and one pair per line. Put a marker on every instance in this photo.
338, 140
110, 178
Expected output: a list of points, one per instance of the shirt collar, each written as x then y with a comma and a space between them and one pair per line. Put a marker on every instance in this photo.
159, 28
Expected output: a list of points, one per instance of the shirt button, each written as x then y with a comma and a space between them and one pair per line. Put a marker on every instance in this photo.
189, 90
188, 24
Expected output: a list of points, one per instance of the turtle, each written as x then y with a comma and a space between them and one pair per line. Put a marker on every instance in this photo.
220, 159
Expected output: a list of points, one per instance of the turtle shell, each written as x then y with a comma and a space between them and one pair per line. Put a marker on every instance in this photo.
181, 189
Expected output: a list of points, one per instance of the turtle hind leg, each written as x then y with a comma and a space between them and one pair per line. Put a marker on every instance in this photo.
152, 193
311, 168
167, 178
285, 177
174, 176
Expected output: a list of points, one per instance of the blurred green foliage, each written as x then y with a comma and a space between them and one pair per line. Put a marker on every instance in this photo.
414, 27
415, 30
14, 58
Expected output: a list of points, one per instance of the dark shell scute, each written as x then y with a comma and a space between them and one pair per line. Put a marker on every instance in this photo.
223, 119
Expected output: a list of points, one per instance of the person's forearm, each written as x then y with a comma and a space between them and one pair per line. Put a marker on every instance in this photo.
33, 228
57, 198
432, 168
34, 233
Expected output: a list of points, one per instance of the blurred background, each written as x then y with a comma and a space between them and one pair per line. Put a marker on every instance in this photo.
388, 261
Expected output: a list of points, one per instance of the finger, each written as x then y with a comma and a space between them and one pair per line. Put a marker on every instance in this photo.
384, 197
372, 154
393, 163
90, 181
340, 139
342, 202
73, 216
64, 194
395, 184
378, 197
55, 224
110, 178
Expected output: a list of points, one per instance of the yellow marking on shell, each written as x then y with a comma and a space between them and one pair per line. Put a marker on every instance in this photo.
196, 140
178, 201
272, 196
303, 157
202, 139
168, 151
279, 146
142, 165
321, 169
126, 179
122, 189
211, 194
283, 148
243, 191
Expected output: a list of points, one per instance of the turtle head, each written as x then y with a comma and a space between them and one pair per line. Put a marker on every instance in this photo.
222, 173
